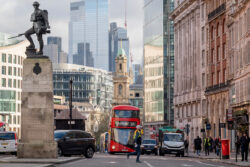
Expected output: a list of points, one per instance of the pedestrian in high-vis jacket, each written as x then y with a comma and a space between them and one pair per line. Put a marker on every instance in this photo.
137, 140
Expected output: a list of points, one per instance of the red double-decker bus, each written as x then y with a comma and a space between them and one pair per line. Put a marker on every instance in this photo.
122, 126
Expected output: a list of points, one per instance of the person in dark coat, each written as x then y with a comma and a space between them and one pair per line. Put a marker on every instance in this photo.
186, 144
197, 145
244, 141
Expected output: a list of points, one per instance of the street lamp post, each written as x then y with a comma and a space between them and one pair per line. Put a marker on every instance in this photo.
70, 103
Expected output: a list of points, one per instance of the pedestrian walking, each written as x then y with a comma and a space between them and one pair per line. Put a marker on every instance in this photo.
137, 140
207, 145
186, 144
197, 145
211, 144
244, 141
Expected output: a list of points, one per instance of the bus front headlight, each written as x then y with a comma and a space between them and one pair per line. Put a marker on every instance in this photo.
113, 147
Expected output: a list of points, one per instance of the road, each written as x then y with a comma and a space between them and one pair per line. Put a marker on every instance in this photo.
106, 160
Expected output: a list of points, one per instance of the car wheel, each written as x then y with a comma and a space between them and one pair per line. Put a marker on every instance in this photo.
89, 152
59, 152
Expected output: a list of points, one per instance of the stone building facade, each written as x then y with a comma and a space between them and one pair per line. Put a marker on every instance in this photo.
189, 98
239, 55
217, 66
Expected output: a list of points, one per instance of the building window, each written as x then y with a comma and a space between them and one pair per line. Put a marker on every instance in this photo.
223, 50
14, 59
4, 57
224, 75
120, 89
9, 58
137, 94
19, 60
212, 33
202, 35
9, 83
3, 82
203, 80
212, 56
14, 71
218, 77
4, 70
203, 58
9, 70
120, 66
223, 26
218, 53
217, 29
14, 83
212, 79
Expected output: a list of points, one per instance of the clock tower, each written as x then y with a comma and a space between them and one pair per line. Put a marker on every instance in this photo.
121, 80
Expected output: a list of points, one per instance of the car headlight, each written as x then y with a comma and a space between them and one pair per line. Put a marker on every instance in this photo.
113, 147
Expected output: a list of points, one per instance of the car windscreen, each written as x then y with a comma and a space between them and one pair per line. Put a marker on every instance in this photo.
59, 135
149, 142
126, 114
7, 136
173, 137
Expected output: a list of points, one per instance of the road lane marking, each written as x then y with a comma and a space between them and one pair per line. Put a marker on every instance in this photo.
148, 164
186, 165
111, 162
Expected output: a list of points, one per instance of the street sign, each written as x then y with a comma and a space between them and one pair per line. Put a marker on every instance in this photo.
208, 126
229, 115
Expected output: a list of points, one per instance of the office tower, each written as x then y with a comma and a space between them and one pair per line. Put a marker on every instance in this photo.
117, 39
158, 65
63, 57
89, 24
51, 51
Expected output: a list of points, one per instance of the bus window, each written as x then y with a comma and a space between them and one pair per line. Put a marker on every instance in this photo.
126, 114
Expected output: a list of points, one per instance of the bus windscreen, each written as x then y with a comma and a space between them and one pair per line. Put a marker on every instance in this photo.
126, 114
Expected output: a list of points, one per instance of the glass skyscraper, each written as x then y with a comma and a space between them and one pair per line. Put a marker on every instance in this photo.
158, 64
117, 39
89, 24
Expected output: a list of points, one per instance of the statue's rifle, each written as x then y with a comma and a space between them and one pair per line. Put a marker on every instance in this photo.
16, 36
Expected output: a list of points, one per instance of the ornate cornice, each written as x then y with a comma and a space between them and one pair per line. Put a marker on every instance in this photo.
183, 10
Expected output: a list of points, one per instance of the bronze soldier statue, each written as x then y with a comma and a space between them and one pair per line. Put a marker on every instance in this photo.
40, 26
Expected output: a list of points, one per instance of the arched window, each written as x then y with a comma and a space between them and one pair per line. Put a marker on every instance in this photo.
223, 26
120, 89
212, 33
120, 66
217, 29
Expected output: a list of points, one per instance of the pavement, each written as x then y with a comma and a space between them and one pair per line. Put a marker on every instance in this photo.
213, 157
13, 161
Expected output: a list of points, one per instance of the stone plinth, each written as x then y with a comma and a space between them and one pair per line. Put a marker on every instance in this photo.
37, 118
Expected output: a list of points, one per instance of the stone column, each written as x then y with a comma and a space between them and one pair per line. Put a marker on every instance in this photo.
37, 121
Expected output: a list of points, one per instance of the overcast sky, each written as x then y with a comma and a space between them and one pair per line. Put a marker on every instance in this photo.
15, 15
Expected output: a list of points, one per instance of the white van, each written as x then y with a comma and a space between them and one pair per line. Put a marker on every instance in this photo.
8, 142
172, 143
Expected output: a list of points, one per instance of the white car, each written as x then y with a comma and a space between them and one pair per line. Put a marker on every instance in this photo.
8, 142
